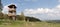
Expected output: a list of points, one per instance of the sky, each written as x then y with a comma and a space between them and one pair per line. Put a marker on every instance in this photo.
41, 9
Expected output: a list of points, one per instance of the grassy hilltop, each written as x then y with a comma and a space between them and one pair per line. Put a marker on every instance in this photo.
33, 22
27, 24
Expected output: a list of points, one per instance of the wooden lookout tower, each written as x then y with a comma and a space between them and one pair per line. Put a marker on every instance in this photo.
12, 12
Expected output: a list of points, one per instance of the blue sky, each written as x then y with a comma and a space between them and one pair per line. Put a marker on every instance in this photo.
42, 9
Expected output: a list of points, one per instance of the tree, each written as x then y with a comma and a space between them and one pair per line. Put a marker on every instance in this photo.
22, 16
1, 6
5, 16
1, 15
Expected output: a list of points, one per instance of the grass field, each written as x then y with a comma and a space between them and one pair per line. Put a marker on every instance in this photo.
27, 24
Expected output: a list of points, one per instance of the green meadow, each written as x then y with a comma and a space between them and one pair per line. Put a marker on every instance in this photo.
27, 24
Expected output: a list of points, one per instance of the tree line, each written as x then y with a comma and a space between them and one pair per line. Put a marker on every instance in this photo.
21, 17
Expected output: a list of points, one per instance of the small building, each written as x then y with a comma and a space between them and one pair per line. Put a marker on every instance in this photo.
12, 12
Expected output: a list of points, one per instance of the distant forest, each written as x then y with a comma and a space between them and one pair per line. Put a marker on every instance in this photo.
20, 17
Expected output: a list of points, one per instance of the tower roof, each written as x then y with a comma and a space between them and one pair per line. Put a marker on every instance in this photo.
12, 6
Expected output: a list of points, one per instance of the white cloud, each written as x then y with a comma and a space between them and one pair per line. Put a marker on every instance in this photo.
58, 6
38, 11
44, 13
58, 0
5, 10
